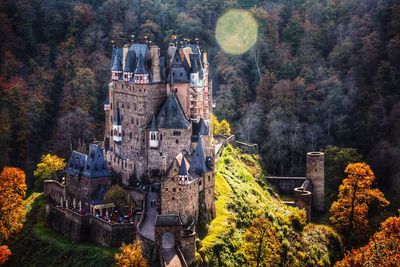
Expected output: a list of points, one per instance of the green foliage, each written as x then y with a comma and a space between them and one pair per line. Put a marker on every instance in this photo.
37, 245
336, 161
240, 200
117, 195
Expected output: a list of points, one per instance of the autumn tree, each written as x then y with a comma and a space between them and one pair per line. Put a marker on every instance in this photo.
117, 195
12, 192
383, 249
356, 193
220, 127
131, 255
5, 253
47, 168
261, 247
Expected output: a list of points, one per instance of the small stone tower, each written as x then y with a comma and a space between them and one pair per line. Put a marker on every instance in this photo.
316, 174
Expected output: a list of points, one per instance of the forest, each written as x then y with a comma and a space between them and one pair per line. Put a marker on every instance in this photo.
323, 75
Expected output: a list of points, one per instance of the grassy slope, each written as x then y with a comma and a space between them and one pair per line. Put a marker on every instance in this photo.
240, 198
39, 246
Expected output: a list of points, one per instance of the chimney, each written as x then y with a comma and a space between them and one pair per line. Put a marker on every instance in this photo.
124, 54
155, 63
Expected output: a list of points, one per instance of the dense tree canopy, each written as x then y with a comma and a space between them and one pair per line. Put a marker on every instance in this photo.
383, 249
48, 167
321, 73
356, 193
131, 255
12, 193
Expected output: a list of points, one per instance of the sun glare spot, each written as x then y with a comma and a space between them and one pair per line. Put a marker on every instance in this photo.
236, 31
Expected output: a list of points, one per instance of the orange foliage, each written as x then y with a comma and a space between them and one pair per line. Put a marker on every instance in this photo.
383, 248
349, 212
5, 253
131, 255
12, 192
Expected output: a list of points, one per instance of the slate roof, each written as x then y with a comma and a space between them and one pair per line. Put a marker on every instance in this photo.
117, 118
116, 60
91, 165
98, 194
153, 126
183, 169
199, 128
168, 220
178, 72
171, 114
140, 67
198, 164
194, 68
130, 61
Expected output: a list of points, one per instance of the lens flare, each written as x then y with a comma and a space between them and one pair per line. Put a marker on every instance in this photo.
236, 31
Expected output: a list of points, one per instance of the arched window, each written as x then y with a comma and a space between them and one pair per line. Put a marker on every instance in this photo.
153, 136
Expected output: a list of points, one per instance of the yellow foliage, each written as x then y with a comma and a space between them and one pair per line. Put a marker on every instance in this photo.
261, 246
220, 128
48, 166
131, 255
12, 193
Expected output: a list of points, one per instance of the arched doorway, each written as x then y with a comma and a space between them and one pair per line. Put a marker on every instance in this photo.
168, 240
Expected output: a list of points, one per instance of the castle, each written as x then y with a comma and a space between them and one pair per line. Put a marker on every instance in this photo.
157, 136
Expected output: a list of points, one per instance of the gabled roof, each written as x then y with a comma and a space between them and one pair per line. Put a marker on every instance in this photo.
198, 164
171, 114
168, 220
117, 118
178, 72
91, 165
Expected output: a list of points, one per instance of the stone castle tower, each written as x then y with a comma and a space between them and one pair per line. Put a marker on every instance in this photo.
157, 130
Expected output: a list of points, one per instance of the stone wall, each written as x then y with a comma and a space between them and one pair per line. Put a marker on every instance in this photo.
111, 235
172, 142
189, 247
316, 174
82, 188
286, 184
55, 189
71, 225
80, 228
209, 185
180, 199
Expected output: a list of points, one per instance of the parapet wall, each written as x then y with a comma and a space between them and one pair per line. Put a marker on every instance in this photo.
80, 228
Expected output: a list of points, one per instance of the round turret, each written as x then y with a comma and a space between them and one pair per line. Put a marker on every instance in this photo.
315, 173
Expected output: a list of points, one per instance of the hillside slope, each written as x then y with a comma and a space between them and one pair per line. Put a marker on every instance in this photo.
39, 246
241, 197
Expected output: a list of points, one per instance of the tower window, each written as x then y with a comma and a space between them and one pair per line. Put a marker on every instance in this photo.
174, 189
153, 136
130, 135
177, 141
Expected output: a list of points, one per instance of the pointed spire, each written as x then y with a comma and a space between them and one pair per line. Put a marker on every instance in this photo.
198, 163
140, 68
203, 128
117, 118
194, 68
117, 64
183, 169
153, 126
130, 61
